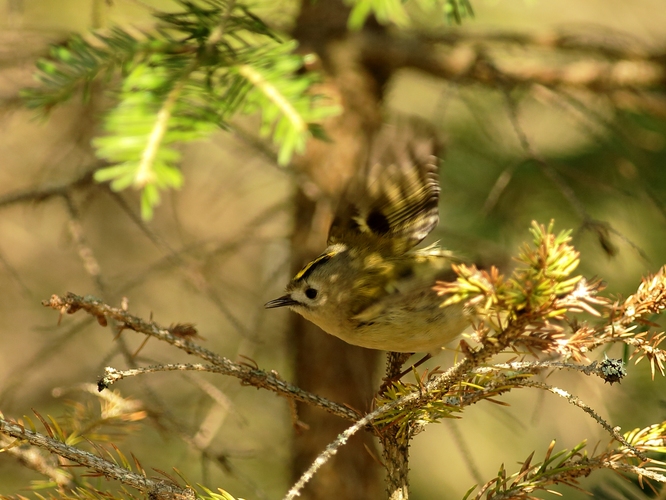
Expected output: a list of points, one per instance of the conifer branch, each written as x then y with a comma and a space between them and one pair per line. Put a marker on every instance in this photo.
158, 489
178, 336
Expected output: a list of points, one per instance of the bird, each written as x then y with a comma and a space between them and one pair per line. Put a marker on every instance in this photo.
370, 287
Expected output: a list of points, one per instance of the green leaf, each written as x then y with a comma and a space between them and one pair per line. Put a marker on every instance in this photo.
287, 108
201, 66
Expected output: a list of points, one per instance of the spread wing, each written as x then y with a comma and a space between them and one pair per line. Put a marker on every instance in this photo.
392, 204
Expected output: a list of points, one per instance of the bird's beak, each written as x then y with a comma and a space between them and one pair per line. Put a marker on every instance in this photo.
283, 301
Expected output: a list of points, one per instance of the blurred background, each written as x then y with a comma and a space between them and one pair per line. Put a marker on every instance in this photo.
547, 110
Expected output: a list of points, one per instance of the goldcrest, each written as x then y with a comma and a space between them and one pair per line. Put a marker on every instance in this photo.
370, 287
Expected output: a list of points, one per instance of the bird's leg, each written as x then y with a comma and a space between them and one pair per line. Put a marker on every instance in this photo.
415, 365
394, 363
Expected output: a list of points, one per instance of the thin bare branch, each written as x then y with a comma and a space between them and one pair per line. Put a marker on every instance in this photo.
33, 459
251, 376
42, 194
613, 431
85, 251
465, 60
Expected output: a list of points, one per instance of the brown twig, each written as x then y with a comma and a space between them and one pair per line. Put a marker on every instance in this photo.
86, 253
613, 431
251, 376
611, 45
42, 194
599, 227
466, 62
33, 459
153, 488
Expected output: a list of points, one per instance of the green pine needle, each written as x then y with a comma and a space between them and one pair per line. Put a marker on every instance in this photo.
199, 68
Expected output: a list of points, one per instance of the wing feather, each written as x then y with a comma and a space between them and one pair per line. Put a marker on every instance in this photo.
393, 202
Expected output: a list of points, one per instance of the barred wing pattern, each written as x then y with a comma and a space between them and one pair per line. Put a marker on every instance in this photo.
392, 203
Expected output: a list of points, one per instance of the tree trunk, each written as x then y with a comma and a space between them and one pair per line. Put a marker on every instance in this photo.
324, 364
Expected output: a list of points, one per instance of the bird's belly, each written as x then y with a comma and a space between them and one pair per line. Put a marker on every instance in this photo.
405, 329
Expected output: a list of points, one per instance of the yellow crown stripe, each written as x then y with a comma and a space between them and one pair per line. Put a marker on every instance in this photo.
310, 265
302, 274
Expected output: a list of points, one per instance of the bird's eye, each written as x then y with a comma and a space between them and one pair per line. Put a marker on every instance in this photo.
311, 293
